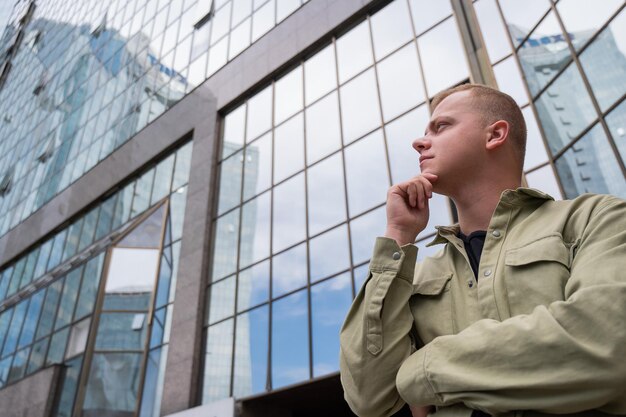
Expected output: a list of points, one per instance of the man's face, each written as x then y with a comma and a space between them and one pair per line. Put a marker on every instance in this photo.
453, 143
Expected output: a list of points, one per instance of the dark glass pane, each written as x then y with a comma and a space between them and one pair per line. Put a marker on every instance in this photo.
68, 298
251, 347
217, 362
71, 372
330, 301
290, 340
32, 318
89, 288
37, 355
254, 287
49, 308
10, 342
112, 387
121, 331
56, 351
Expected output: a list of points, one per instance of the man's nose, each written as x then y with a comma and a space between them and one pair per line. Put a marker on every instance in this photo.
421, 144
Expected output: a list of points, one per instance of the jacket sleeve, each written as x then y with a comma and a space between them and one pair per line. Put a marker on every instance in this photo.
375, 338
564, 358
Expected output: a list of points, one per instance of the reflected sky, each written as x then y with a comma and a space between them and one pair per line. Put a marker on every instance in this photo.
290, 340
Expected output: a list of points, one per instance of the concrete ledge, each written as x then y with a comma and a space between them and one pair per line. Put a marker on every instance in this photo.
32, 396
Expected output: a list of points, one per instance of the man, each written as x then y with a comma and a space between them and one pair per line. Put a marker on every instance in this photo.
523, 311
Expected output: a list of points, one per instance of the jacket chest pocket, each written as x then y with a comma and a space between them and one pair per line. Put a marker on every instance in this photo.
536, 273
431, 306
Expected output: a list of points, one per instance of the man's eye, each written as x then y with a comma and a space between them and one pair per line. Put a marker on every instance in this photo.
441, 125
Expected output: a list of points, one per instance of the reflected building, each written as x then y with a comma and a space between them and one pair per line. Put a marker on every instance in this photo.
190, 190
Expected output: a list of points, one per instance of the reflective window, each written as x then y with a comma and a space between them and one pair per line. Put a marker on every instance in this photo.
443, 57
252, 341
535, 148
263, 20
230, 182
37, 355
329, 253
78, 338
288, 95
426, 13
222, 300
234, 128
391, 28
364, 231
360, 111
354, 52
403, 159
326, 194
330, 301
68, 298
32, 317
521, 17
589, 166
616, 120
289, 148
257, 166
604, 62
10, 341
400, 83
53, 294
239, 38
289, 271
289, 214
290, 340
56, 351
226, 240
320, 74
254, 287
583, 16
366, 173
255, 230
259, 118
323, 134
510, 81
493, 29
217, 361
565, 109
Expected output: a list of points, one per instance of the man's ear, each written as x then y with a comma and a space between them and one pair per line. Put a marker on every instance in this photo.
498, 134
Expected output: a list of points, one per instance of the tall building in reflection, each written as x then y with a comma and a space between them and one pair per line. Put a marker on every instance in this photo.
228, 162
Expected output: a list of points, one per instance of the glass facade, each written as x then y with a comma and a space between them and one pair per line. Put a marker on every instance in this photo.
305, 153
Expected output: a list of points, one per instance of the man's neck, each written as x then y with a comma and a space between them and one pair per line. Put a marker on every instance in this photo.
475, 206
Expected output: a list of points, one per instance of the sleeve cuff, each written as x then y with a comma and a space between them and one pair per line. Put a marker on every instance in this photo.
412, 380
389, 256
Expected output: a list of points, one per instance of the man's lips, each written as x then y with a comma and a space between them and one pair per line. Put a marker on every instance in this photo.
423, 158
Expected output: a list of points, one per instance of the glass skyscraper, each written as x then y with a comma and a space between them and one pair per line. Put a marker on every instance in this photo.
190, 189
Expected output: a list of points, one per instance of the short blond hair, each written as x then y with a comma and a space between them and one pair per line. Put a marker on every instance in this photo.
493, 105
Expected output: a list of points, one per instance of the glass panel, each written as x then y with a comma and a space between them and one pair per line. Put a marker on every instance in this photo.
366, 171
225, 244
239, 38
320, 74
493, 30
255, 230
183, 164
364, 231
259, 118
153, 383
218, 56
589, 166
330, 301
535, 149
177, 212
143, 188
583, 18
230, 182
162, 179
57, 249
544, 54
289, 271
241, 10
391, 28
73, 237
71, 370
521, 17
56, 352
147, 234
263, 20
112, 386
122, 207
89, 288
258, 166
288, 95
616, 120
565, 109
89, 228
49, 309
68, 298
544, 180
289, 148
222, 296
234, 128
326, 195
10, 342
285, 7
37, 355
217, 362
360, 110
403, 159
289, 215
443, 57
29, 268
221, 23
4, 282
400, 83
254, 286
165, 275
354, 52
32, 318
608, 50
5, 366
510, 81
42, 260
131, 278
323, 134
158, 326
426, 13
106, 217
251, 347
78, 338
5, 321
290, 340
330, 253
18, 367
121, 331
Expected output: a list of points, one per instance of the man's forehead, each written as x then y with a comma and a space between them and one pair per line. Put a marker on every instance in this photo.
459, 100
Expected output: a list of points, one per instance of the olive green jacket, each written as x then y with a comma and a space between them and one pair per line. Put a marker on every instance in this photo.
542, 330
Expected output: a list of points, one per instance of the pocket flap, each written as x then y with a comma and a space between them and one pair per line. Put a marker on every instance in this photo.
548, 248
432, 286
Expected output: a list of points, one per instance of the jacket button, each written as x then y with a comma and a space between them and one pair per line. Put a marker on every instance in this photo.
487, 272
496, 233
470, 283
396, 256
